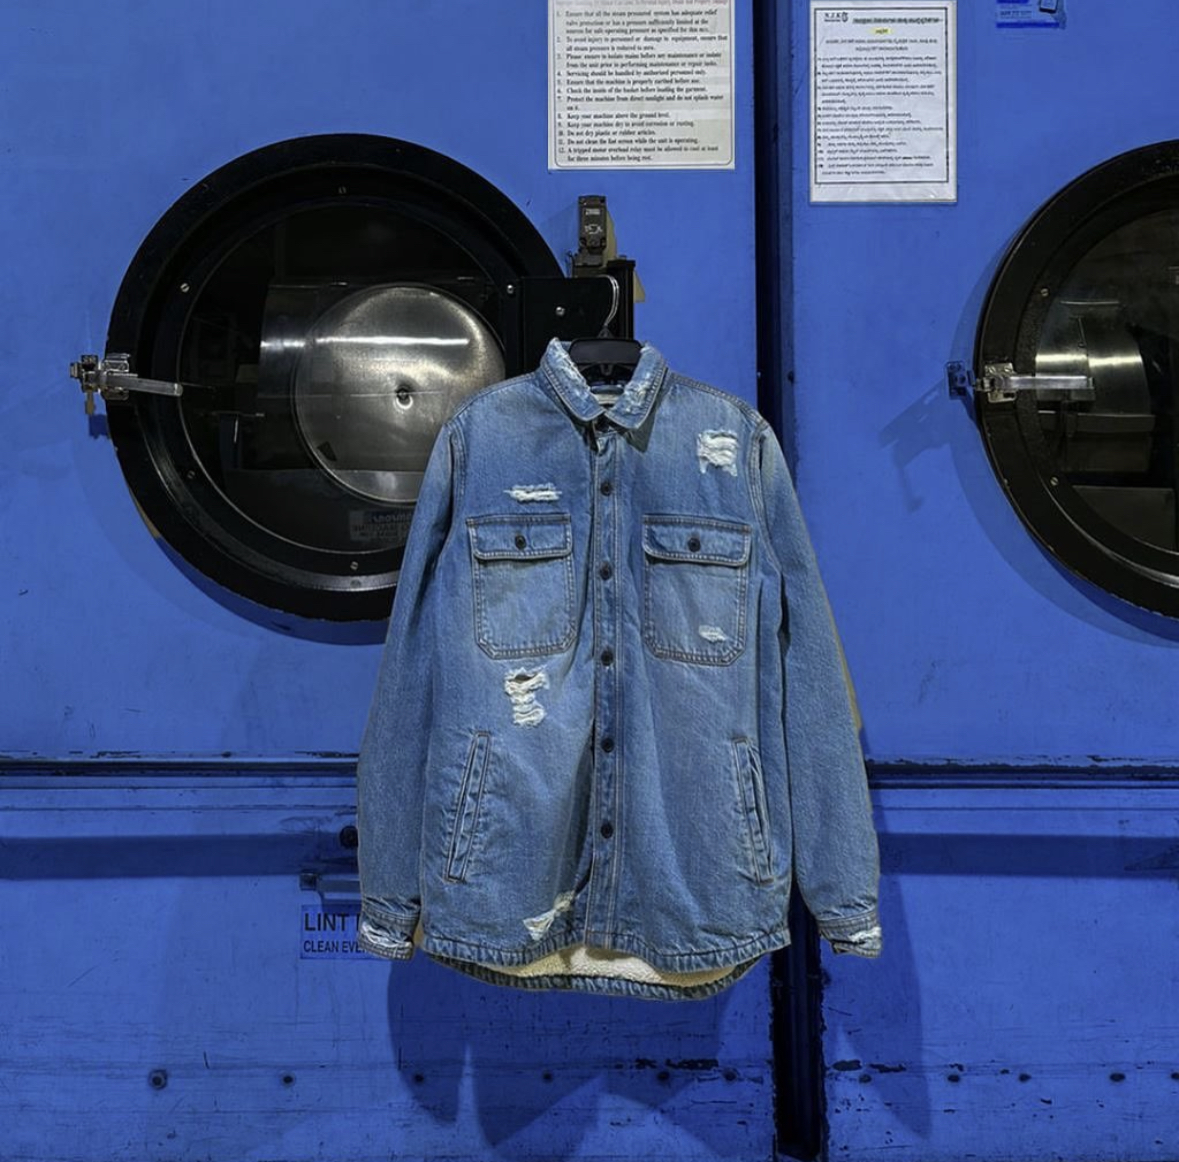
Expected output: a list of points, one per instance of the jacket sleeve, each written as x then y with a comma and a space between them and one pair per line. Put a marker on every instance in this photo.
392, 764
836, 859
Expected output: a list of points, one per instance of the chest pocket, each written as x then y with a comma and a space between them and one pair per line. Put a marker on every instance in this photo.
523, 584
695, 585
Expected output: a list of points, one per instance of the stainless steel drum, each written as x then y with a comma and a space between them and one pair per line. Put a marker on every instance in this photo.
376, 377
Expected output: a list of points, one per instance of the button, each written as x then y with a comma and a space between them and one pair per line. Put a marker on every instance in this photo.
520, 541
606, 830
607, 656
606, 488
607, 745
606, 571
694, 543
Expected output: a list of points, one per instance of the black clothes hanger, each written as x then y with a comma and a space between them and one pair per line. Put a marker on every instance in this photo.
606, 359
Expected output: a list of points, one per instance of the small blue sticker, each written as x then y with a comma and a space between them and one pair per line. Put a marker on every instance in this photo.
1029, 13
328, 932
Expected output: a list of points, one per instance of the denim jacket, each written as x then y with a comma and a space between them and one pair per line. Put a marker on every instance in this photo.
611, 725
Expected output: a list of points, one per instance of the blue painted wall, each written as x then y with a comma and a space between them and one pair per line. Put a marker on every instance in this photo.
166, 783
1021, 724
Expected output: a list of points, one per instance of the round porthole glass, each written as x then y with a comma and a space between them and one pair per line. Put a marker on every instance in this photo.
326, 303
1077, 376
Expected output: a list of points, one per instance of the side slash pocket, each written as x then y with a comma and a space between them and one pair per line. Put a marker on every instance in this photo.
752, 803
466, 809
522, 582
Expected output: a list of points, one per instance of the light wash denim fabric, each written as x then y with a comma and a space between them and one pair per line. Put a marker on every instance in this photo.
611, 709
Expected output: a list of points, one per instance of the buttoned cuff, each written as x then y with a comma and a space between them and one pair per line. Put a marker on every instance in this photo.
384, 935
859, 935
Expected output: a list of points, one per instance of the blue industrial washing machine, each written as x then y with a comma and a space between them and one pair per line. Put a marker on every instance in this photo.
984, 410
260, 204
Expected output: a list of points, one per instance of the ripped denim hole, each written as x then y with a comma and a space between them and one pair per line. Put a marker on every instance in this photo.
521, 687
538, 925
528, 493
717, 450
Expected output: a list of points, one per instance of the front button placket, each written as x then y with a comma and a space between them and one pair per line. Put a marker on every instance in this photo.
603, 877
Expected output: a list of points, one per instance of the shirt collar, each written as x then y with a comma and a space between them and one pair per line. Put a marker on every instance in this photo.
632, 407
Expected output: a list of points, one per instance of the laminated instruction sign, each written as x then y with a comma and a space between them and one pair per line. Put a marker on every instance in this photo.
883, 118
641, 84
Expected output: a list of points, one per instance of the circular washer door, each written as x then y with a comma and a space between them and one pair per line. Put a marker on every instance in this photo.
1077, 373
326, 302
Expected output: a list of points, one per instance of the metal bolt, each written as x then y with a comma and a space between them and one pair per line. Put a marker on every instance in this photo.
353, 565
1043, 292
349, 836
288, 1079
342, 190
1054, 481
560, 312
510, 288
158, 1078
184, 288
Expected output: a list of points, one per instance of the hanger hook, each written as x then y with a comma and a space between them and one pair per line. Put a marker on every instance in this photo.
615, 299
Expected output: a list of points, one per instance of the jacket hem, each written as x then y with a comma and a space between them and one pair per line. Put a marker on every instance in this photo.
602, 985
448, 948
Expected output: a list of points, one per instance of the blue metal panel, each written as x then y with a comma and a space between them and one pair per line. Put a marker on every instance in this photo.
1025, 1007
154, 1004
111, 115
969, 642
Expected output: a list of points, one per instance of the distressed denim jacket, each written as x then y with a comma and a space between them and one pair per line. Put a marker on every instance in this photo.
611, 725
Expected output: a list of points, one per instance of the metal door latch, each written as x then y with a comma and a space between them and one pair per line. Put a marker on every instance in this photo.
339, 883
112, 378
1000, 384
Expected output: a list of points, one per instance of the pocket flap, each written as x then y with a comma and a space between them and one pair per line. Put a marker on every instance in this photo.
521, 538
700, 539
